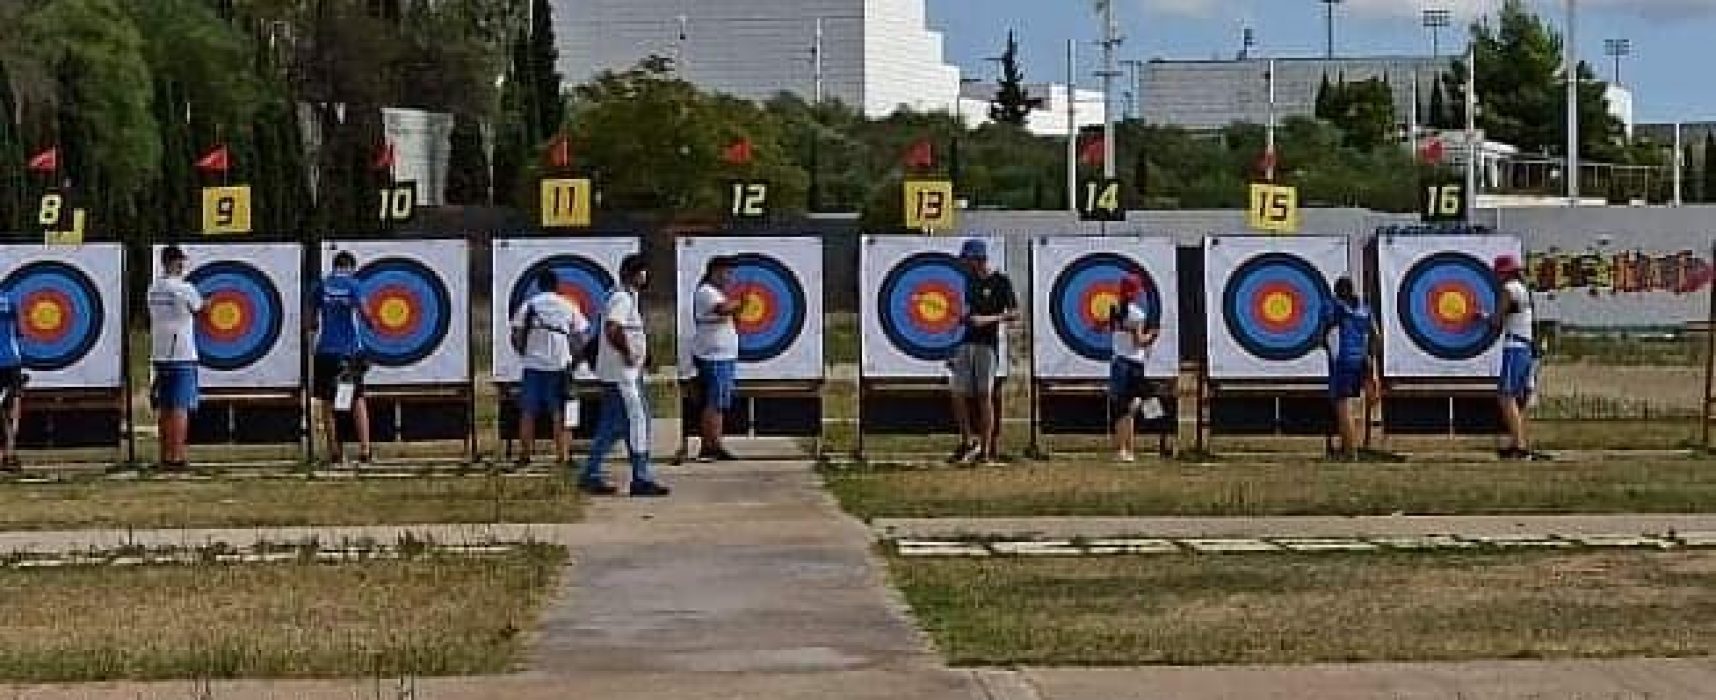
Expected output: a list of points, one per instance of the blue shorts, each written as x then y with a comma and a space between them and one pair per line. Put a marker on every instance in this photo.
1346, 380
542, 393
1516, 370
717, 379
1127, 381
175, 387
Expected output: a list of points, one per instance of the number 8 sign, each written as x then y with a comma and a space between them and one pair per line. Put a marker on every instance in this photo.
929, 205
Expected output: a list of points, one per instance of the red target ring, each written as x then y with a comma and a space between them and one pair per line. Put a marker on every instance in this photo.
229, 317
396, 313
47, 315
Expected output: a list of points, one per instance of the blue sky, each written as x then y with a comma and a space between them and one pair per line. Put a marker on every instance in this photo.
1668, 70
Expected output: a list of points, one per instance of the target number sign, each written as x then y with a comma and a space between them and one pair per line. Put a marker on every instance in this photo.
583, 281
1273, 307
566, 202
60, 314
1085, 296
1101, 201
61, 222
1439, 301
922, 306
408, 308
748, 200
243, 314
226, 210
929, 205
1443, 202
1274, 208
398, 202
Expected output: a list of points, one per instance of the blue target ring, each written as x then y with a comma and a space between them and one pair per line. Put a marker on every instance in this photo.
772, 310
582, 281
1083, 295
409, 311
60, 314
1438, 302
1273, 307
243, 314
922, 306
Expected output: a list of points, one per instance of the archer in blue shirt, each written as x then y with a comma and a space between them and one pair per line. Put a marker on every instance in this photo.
1351, 367
338, 319
11, 381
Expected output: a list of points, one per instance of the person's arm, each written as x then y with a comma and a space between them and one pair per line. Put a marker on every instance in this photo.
1009, 309
1510, 306
312, 311
1145, 335
615, 334
728, 306
193, 298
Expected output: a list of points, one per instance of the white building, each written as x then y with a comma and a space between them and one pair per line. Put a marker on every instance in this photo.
1048, 120
876, 54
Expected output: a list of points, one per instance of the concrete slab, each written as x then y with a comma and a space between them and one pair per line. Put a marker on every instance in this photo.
1037, 548
1129, 546
1427, 542
1697, 539
1232, 545
1624, 542
1315, 526
1313, 545
1522, 541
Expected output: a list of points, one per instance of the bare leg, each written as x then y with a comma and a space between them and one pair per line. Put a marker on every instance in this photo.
711, 428
1514, 420
12, 421
360, 421
1348, 427
557, 423
331, 428
527, 436
986, 424
962, 417
993, 434
1123, 433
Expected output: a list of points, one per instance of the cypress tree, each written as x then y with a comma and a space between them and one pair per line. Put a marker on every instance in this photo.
1710, 166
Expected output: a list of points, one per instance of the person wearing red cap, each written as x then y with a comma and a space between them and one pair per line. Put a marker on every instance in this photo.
1134, 335
1515, 382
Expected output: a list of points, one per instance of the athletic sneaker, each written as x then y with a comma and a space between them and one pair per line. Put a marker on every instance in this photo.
597, 488
720, 455
1124, 456
648, 489
965, 453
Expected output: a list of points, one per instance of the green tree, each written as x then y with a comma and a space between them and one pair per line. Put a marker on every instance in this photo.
1439, 116
1012, 104
12, 155
1710, 167
1324, 108
1364, 112
467, 166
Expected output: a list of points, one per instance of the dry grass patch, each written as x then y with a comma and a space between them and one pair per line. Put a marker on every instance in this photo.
1244, 609
1663, 485
286, 502
429, 616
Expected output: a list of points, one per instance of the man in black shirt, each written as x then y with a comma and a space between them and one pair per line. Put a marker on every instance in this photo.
990, 306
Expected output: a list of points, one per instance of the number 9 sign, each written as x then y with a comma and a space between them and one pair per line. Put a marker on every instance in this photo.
929, 205
226, 210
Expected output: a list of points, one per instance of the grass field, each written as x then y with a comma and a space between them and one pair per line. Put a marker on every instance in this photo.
285, 502
1249, 487
1242, 609
430, 616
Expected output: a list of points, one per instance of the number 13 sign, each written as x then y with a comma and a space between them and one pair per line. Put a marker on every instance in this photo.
929, 205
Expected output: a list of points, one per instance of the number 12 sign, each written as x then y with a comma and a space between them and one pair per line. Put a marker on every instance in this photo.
1274, 208
929, 205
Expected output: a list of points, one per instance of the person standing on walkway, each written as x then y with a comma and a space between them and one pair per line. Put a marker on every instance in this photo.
173, 308
715, 352
976, 362
545, 331
1129, 387
1517, 379
11, 382
337, 318
620, 368
1352, 365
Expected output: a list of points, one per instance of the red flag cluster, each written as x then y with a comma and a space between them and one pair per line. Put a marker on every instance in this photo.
739, 153
384, 157
217, 160
1091, 149
921, 155
1433, 152
47, 161
559, 152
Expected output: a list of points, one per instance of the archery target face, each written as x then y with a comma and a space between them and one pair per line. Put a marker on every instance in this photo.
69, 302
412, 293
913, 303
1268, 296
247, 332
1077, 284
1434, 289
588, 271
779, 320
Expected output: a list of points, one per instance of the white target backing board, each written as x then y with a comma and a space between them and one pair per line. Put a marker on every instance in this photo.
1076, 283
1432, 287
911, 300
416, 295
248, 335
779, 281
1265, 297
70, 302
588, 268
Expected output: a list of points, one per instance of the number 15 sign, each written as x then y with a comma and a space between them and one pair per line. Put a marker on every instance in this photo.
929, 205
1274, 208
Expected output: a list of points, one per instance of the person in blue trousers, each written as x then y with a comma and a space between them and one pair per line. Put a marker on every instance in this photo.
1352, 366
620, 368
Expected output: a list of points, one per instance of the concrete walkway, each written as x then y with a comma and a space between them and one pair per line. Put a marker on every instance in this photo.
1365, 526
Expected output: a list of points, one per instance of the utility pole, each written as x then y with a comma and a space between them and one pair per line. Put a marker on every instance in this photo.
1072, 124
1329, 7
1111, 40
1269, 133
1436, 19
1572, 103
816, 62
1134, 89
1474, 144
1679, 167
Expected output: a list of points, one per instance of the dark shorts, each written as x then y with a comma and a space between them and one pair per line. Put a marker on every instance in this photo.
175, 387
1346, 380
541, 393
717, 379
11, 382
325, 377
1127, 381
973, 369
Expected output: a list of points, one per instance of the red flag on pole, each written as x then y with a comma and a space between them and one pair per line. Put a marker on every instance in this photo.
559, 153
1091, 149
920, 156
45, 162
1433, 152
384, 157
1267, 164
738, 153
217, 160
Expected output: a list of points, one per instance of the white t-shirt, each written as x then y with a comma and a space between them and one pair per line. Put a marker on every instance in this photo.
173, 307
1124, 347
622, 310
1518, 328
554, 324
717, 338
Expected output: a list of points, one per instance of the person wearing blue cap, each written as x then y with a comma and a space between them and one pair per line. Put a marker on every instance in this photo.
990, 305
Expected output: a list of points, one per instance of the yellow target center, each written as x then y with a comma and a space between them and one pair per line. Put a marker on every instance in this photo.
394, 313
1278, 307
932, 307
1102, 304
1452, 305
751, 309
46, 315
225, 316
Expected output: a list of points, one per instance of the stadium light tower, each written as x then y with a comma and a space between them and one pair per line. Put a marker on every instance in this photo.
1436, 19
1618, 49
1329, 10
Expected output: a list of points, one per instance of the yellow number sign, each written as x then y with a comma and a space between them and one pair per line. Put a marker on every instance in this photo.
71, 235
929, 205
226, 210
565, 203
1274, 208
